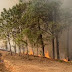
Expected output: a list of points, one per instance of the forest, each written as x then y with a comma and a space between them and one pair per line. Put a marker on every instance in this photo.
36, 24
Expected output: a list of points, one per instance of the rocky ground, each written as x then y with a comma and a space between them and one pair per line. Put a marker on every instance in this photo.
21, 63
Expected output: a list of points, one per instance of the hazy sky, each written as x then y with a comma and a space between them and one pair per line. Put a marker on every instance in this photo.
68, 3
7, 4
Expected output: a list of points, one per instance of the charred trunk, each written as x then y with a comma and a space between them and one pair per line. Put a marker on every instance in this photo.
15, 48
41, 39
37, 50
42, 44
68, 44
53, 48
57, 47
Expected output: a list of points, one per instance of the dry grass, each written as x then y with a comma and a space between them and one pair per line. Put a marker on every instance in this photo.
21, 63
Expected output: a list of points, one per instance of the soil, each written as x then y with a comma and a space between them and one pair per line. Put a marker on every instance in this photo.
2, 66
22, 63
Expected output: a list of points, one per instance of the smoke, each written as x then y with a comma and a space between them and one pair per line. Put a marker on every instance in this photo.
65, 39
67, 3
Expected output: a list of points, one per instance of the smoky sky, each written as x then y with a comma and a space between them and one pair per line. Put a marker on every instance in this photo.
9, 3
67, 3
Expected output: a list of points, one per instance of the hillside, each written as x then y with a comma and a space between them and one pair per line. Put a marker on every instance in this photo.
17, 63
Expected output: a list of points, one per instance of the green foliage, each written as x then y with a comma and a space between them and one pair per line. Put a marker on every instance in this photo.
30, 21
23, 19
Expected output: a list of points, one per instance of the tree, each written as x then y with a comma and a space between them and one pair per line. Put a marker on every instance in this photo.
36, 23
11, 21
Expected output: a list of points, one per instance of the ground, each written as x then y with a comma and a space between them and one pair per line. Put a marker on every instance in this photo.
21, 63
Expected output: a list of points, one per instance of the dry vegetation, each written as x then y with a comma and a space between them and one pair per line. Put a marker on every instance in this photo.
17, 63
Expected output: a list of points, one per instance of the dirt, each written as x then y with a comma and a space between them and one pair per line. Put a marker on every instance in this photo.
2, 66
21, 63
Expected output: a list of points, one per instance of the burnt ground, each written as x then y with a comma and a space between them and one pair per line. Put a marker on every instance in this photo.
21, 63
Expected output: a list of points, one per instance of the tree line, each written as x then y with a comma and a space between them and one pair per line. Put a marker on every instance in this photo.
35, 22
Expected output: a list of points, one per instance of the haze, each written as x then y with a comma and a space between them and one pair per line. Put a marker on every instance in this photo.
9, 3
67, 3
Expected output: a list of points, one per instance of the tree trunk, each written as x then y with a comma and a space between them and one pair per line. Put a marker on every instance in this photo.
9, 45
14, 44
41, 39
19, 50
37, 51
6, 46
33, 50
42, 44
15, 48
68, 44
27, 52
23, 50
53, 47
57, 47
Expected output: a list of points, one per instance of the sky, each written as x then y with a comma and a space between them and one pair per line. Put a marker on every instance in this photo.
7, 4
